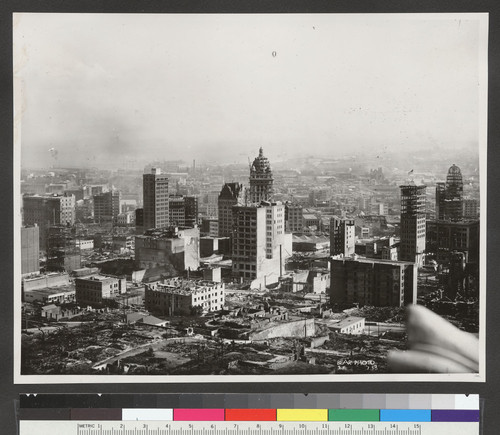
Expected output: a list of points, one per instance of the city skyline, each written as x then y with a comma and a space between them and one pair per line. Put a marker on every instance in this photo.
194, 86
352, 122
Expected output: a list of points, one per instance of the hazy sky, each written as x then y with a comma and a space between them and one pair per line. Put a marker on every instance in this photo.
104, 88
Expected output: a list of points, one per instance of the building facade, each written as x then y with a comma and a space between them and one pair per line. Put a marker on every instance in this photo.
177, 296
48, 210
30, 250
106, 206
63, 251
413, 218
470, 208
183, 211
375, 282
232, 194
260, 244
155, 200
342, 236
294, 220
176, 249
96, 289
210, 227
444, 237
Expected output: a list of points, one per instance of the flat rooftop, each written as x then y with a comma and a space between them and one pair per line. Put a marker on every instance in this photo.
348, 322
366, 260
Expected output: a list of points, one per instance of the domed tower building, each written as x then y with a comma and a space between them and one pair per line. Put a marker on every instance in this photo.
454, 194
449, 196
261, 179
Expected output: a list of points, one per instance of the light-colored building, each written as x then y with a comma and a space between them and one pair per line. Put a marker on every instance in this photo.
156, 199
470, 208
342, 236
260, 244
84, 244
173, 247
94, 290
350, 325
50, 295
30, 250
178, 296
309, 281
38, 282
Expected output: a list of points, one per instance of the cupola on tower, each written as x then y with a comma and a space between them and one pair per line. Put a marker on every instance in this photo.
261, 179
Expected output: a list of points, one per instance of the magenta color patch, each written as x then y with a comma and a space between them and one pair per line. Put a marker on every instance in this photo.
198, 414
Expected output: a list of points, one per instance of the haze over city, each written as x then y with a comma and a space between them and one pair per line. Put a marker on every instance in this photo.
250, 195
100, 89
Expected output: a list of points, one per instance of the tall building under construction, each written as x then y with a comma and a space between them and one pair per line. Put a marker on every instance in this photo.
412, 245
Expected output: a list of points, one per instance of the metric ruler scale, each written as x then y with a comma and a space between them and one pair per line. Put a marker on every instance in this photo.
245, 428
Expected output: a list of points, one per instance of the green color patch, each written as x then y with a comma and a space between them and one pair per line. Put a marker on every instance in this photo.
353, 415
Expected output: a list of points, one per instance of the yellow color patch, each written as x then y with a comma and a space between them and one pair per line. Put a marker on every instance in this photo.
302, 414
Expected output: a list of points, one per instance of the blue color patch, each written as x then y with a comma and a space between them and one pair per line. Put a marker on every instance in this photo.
405, 415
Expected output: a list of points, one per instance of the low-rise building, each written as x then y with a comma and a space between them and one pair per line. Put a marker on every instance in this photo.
309, 281
125, 219
58, 295
311, 221
311, 243
145, 319
123, 243
350, 325
96, 289
176, 296
37, 282
84, 244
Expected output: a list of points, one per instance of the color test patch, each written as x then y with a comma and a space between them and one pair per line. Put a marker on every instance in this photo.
302, 414
417, 415
353, 415
198, 414
147, 414
250, 414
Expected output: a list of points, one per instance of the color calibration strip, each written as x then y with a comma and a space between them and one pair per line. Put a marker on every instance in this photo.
459, 408
384, 415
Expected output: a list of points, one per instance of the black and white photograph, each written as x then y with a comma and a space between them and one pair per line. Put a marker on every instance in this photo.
249, 197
